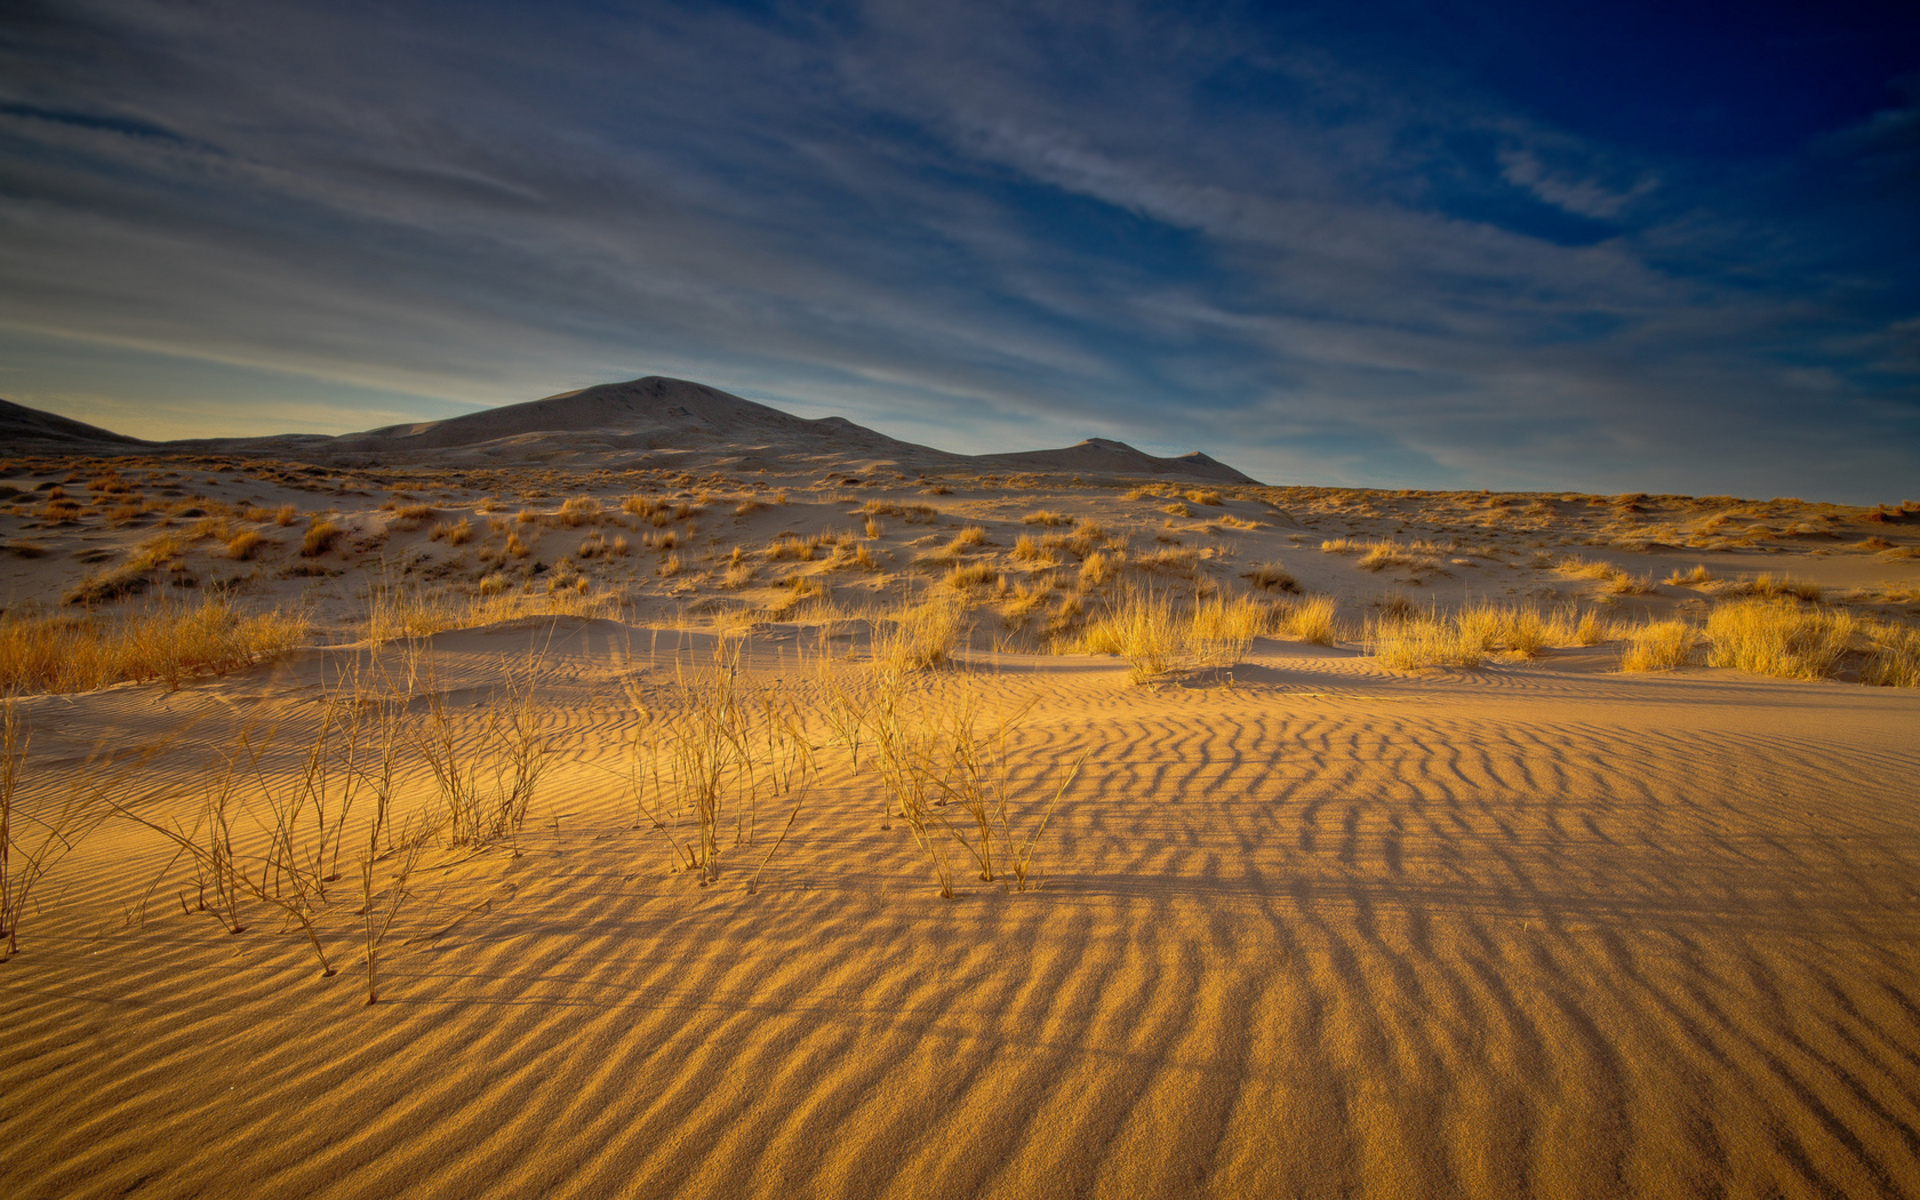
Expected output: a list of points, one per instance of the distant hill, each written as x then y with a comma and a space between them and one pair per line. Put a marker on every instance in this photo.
1103, 456
23, 428
653, 420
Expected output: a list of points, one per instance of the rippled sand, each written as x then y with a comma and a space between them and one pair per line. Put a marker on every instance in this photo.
1533, 930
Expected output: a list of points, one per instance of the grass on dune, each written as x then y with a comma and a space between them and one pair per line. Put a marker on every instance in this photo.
1476, 632
168, 642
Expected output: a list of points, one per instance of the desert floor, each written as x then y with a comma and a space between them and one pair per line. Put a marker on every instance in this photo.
1302, 925
1329, 930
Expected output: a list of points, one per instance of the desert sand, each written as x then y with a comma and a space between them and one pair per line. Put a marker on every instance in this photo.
1296, 921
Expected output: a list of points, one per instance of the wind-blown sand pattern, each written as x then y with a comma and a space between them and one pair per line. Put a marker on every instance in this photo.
1318, 929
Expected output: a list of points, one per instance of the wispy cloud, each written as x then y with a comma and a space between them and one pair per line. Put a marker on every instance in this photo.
979, 226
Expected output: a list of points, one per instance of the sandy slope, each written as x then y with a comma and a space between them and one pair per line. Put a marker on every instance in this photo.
1535, 930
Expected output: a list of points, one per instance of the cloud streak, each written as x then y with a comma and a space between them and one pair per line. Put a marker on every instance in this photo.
981, 227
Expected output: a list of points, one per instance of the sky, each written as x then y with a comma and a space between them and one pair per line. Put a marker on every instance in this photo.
1598, 247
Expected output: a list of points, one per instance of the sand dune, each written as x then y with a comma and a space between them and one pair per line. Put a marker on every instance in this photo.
1331, 931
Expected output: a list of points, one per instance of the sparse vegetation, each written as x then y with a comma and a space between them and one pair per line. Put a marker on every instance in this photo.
167, 642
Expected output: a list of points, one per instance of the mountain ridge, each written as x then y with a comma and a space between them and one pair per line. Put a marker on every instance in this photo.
636, 420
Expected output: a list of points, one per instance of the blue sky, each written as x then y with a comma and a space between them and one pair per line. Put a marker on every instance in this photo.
1598, 247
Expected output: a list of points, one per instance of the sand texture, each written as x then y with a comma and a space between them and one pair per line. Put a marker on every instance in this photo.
1332, 930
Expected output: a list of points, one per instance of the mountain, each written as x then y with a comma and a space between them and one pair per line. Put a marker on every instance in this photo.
655, 420
23, 428
1104, 456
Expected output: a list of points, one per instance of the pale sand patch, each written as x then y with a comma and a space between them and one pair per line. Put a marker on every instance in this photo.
1524, 931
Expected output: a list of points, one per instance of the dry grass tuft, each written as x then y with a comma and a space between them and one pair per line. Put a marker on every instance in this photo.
1658, 646
1272, 577
1894, 657
453, 533
916, 637
245, 544
1046, 517
967, 576
1095, 570
1139, 627
1308, 620
1772, 637
167, 642
320, 538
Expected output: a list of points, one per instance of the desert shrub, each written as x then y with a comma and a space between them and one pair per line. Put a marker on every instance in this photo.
916, 637
453, 533
581, 510
1169, 560
967, 576
1693, 578
1221, 630
800, 549
1095, 570
1382, 555
1309, 620
1894, 657
245, 544
1272, 577
1774, 587
1139, 627
1046, 517
166, 642
1658, 646
1026, 549
1211, 498
320, 538
412, 516
1771, 637
1424, 639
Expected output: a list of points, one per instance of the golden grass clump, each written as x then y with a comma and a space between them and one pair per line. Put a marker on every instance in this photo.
1425, 639
1221, 630
1658, 646
796, 548
453, 533
1209, 497
1382, 555
320, 538
967, 576
1169, 560
1340, 546
166, 642
1894, 660
1139, 627
1308, 620
1271, 577
1779, 638
581, 510
1095, 570
916, 637
1774, 587
1046, 517
413, 516
1693, 578
245, 544
874, 527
